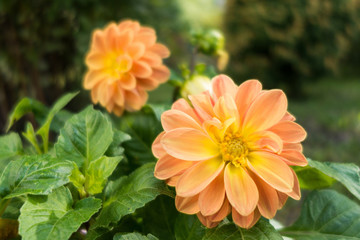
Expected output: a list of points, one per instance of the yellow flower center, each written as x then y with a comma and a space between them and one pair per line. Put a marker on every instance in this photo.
234, 149
117, 64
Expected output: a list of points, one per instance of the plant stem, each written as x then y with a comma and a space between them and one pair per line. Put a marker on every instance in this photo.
3, 205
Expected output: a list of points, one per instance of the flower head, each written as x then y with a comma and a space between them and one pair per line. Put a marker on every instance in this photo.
123, 63
230, 152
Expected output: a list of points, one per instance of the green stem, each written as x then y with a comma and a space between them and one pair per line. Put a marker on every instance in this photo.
3, 205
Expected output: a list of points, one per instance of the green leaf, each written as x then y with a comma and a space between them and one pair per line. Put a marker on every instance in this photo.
326, 215
346, 173
143, 127
263, 230
78, 180
38, 174
188, 227
84, 138
54, 216
26, 105
98, 172
133, 236
129, 193
157, 109
115, 149
10, 146
29, 134
312, 178
60, 104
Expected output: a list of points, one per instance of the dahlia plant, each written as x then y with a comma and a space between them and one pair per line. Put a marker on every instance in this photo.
217, 163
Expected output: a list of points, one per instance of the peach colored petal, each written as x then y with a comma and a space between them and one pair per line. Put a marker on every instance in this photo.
265, 140
288, 131
182, 105
160, 73
212, 197
119, 97
188, 205
147, 30
242, 221
160, 49
98, 41
216, 129
222, 84
173, 119
268, 198
146, 38
272, 170
288, 117
147, 83
222, 213
173, 180
198, 177
135, 99
189, 144
129, 24
296, 193
294, 158
282, 199
112, 33
95, 60
206, 221
245, 95
266, 110
168, 166
127, 81
123, 40
118, 111
156, 148
152, 59
102, 93
203, 106
240, 189
136, 50
225, 108
141, 69
93, 77
292, 146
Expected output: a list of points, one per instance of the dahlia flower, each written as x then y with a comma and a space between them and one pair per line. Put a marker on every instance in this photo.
123, 63
230, 151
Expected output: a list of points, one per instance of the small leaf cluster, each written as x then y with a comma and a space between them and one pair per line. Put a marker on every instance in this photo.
90, 176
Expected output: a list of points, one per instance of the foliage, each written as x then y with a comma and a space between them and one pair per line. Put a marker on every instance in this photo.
286, 43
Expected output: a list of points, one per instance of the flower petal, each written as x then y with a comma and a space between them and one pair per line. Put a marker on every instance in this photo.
266, 110
160, 73
245, 95
292, 146
152, 59
272, 170
198, 177
189, 144
135, 99
206, 221
182, 105
222, 85
203, 105
136, 50
168, 166
240, 189
296, 193
294, 158
289, 131
282, 199
93, 77
147, 38
212, 197
265, 140
156, 148
160, 49
246, 221
188, 205
225, 108
141, 69
127, 81
222, 213
98, 41
173, 119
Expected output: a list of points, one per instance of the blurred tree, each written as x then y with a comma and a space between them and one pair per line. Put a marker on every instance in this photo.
44, 42
286, 43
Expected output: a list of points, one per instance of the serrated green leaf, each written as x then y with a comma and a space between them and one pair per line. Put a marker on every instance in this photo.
26, 105
133, 236
143, 127
188, 227
115, 149
38, 174
44, 130
326, 215
127, 194
54, 216
263, 230
78, 180
346, 173
10, 146
98, 172
84, 138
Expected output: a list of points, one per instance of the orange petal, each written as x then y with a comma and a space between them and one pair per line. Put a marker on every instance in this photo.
198, 177
119, 96
145, 37
135, 99
242, 221
127, 81
294, 158
160, 49
266, 110
112, 33
265, 140
129, 24
152, 59
225, 108
206, 221
93, 77
216, 129
212, 197
123, 40
296, 193
147, 83
141, 69
182, 105
156, 148
222, 84
222, 213
289, 131
160, 73
272, 170
95, 60
173, 180
136, 50
189, 144
288, 117
245, 95
240, 189
168, 166
118, 110
98, 41
268, 198
188, 205
203, 105
292, 146
173, 119
282, 199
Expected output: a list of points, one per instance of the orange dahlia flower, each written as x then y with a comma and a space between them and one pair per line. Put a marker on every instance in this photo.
124, 62
230, 152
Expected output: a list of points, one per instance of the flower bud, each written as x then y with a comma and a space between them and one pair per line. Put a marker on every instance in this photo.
195, 85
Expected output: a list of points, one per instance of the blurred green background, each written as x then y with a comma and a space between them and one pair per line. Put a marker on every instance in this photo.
308, 48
